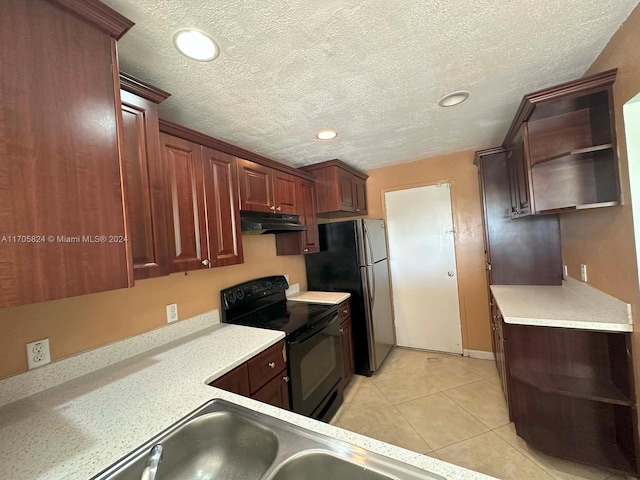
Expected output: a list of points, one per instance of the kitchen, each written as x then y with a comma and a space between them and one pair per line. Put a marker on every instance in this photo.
120, 375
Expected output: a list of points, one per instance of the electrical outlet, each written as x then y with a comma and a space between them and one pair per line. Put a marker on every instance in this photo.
583, 273
565, 272
172, 312
38, 353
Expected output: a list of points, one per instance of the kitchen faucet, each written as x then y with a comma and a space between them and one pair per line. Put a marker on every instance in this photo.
151, 468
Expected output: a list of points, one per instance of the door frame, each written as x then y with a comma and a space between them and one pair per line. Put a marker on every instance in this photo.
460, 283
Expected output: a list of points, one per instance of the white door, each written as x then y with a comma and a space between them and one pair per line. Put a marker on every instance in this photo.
423, 268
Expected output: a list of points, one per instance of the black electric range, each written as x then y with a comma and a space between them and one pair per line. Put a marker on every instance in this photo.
313, 339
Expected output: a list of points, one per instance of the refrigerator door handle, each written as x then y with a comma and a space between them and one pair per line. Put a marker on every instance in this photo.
372, 293
369, 259
366, 293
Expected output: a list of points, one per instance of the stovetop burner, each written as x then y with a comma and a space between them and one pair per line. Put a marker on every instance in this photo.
262, 303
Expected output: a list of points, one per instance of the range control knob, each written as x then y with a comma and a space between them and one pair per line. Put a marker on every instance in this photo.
230, 297
240, 294
269, 284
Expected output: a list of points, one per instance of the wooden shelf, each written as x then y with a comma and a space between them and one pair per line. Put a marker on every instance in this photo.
599, 390
586, 206
607, 454
579, 151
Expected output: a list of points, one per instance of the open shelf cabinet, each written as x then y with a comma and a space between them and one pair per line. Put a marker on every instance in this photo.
572, 394
565, 148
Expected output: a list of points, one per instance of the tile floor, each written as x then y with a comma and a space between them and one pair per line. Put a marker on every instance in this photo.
451, 408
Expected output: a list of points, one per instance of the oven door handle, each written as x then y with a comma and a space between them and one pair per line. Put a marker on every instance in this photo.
316, 329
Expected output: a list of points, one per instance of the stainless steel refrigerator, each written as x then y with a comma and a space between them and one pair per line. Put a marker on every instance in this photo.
353, 258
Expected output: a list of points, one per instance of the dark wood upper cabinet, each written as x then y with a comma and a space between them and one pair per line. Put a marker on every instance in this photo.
144, 176
525, 251
519, 176
223, 216
285, 193
360, 195
305, 242
256, 187
61, 188
562, 148
346, 190
265, 189
188, 246
341, 189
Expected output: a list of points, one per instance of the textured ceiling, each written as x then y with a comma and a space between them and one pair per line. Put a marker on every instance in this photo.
372, 70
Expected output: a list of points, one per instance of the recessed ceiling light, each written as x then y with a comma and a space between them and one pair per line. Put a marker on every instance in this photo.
196, 45
453, 99
326, 135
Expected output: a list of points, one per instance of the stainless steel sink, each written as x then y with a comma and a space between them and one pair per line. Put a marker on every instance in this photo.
323, 466
222, 440
218, 445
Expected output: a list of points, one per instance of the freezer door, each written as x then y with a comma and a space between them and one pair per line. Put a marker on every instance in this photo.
376, 240
379, 317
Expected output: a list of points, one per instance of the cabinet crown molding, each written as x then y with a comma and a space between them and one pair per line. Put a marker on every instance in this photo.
142, 89
186, 133
98, 14
336, 163
581, 86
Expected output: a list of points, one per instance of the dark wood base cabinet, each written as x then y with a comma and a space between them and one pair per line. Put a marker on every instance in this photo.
571, 392
263, 378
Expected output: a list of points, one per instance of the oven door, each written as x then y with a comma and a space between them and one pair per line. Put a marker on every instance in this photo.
315, 363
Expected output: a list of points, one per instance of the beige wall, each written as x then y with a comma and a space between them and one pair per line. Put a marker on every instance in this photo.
78, 324
604, 239
458, 169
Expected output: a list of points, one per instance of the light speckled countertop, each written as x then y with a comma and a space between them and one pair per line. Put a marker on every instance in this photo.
77, 429
572, 305
326, 298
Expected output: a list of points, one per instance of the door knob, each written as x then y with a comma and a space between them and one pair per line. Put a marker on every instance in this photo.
306, 250
286, 379
272, 364
272, 207
450, 273
279, 208
205, 262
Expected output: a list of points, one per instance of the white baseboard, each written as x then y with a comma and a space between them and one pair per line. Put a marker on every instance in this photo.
478, 354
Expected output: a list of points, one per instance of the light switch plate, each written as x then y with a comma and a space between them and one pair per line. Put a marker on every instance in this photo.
172, 312
38, 353
583, 273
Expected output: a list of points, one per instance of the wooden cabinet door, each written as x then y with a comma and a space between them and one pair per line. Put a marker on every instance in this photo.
144, 177
348, 365
360, 195
188, 247
519, 176
309, 216
275, 392
346, 190
284, 193
60, 170
236, 381
256, 187
223, 215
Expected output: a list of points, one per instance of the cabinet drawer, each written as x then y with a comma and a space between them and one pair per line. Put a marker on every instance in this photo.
344, 311
266, 365
236, 381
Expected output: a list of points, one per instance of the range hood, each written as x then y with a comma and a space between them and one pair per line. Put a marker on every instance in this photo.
256, 223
